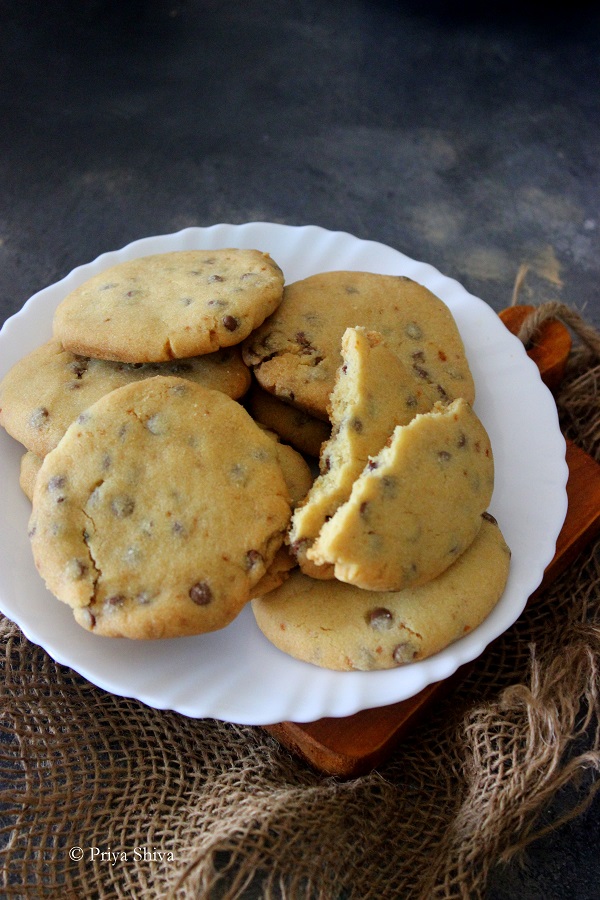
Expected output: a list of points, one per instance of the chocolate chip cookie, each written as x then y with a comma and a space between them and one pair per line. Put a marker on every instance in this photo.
158, 511
339, 626
373, 393
295, 353
47, 389
170, 305
417, 505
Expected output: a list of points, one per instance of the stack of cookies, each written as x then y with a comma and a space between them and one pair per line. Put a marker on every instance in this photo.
199, 436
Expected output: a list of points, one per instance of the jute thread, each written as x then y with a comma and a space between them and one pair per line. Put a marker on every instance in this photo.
232, 814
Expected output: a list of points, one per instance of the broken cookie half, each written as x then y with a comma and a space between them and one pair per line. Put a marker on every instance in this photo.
417, 505
374, 392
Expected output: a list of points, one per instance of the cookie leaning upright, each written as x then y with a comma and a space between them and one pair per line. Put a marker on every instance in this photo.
373, 393
295, 353
159, 510
170, 305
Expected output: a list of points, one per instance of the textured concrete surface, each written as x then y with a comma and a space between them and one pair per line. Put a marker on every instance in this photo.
465, 137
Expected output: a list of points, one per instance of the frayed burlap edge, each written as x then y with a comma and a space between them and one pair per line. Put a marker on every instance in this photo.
163, 806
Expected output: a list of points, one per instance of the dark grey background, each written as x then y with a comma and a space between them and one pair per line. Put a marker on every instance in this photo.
463, 134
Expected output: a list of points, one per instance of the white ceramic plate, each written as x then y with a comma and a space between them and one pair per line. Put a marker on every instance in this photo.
235, 674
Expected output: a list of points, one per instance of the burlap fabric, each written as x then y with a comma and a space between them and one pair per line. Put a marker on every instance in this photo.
164, 806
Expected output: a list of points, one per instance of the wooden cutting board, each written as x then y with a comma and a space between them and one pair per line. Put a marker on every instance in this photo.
353, 745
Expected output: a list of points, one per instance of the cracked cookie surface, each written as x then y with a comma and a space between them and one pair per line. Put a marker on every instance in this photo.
373, 393
339, 626
170, 305
47, 389
296, 352
417, 505
159, 510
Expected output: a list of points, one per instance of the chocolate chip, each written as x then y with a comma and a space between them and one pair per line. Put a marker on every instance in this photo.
115, 601
298, 546
201, 594
489, 518
389, 486
122, 506
442, 392
302, 339
420, 371
55, 487
462, 440
411, 401
213, 278
39, 417
372, 464
230, 323
357, 425
78, 367
380, 618
363, 509
253, 558
444, 456
418, 356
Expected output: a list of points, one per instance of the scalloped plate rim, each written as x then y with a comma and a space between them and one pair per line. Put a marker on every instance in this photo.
341, 693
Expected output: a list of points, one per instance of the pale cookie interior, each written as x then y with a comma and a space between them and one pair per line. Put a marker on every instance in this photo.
417, 505
373, 393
